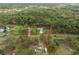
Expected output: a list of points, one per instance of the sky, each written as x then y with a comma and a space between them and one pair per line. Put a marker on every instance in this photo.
39, 1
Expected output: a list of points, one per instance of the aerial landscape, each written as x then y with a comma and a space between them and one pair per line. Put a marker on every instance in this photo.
39, 29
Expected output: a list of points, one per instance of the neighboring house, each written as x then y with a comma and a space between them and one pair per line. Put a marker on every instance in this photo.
1, 30
40, 30
5, 28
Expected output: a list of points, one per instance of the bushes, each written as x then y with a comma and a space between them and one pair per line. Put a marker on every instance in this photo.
52, 46
69, 43
72, 42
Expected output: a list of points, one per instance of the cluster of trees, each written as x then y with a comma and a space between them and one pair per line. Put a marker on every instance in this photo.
61, 20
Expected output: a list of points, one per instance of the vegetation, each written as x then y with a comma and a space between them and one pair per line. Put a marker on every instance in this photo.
59, 21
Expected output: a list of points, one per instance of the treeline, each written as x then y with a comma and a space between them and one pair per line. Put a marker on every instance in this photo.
60, 19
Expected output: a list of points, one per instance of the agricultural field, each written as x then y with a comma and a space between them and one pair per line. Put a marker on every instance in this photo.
39, 29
